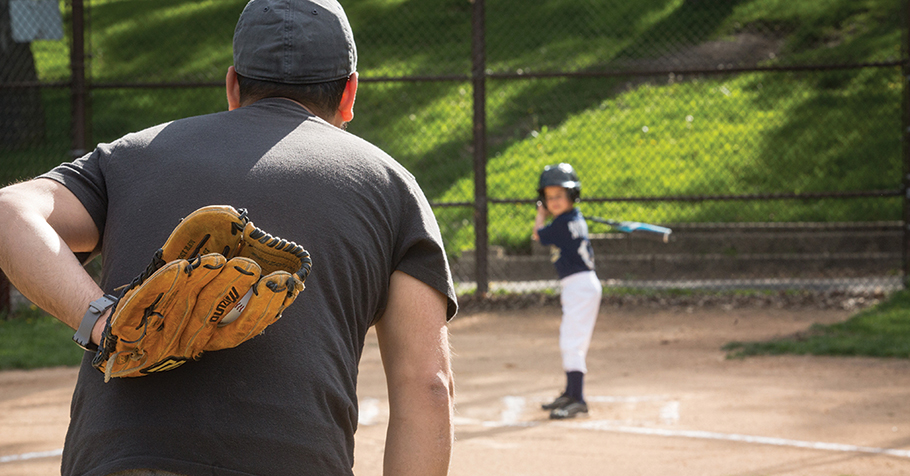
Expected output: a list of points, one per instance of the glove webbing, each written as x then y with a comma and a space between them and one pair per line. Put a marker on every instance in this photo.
286, 246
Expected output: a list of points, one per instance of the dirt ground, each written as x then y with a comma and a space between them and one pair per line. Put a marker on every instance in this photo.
663, 400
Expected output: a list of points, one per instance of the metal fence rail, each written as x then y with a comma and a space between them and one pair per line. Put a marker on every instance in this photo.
739, 123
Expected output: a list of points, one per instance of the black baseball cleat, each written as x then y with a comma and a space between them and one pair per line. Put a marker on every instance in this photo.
569, 411
560, 401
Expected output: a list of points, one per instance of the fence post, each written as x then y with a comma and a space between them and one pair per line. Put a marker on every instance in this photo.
4, 295
905, 143
78, 93
478, 80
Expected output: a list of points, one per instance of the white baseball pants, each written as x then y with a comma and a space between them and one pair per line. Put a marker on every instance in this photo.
580, 299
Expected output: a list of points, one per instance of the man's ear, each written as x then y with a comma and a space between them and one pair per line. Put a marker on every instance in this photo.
346, 106
232, 87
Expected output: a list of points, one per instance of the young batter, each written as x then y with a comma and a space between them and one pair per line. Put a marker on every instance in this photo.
581, 291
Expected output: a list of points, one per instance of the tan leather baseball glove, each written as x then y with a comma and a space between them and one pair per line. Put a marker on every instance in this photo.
217, 282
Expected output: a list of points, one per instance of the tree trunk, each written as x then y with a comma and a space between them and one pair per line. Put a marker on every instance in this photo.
22, 121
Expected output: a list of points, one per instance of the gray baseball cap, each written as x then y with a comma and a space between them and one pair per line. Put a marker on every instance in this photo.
294, 41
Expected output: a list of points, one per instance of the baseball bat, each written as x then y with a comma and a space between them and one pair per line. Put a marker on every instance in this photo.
646, 229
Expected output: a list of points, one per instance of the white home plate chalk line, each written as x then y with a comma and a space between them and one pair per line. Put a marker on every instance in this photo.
668, 414
513, 407
33, 455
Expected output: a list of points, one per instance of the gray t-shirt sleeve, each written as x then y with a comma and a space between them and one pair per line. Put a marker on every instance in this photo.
422, 254
84, 177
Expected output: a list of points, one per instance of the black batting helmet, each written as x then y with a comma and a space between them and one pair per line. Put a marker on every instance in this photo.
561, 175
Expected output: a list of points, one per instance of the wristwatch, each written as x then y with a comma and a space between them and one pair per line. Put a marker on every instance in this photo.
83, 335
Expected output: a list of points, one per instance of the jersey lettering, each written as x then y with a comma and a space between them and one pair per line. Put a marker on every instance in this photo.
578, 229
585, 251
554, 253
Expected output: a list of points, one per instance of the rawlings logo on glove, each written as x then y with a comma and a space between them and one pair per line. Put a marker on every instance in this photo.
217, 282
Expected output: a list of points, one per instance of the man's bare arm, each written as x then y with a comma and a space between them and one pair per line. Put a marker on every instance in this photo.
44, 224
414, 344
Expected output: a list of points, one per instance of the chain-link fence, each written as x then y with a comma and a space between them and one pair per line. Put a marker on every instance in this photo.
750, 128
768, 134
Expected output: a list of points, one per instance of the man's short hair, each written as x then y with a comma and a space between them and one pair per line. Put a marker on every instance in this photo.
321, 99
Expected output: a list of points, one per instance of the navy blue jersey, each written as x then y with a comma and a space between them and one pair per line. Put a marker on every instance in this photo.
567, 234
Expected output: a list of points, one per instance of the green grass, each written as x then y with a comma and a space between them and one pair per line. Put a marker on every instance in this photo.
881, 331
763, 126
717, 135
32, 339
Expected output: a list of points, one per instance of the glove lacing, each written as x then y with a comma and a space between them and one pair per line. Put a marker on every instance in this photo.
137, 353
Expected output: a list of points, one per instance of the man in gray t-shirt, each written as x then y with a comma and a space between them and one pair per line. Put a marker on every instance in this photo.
284, 402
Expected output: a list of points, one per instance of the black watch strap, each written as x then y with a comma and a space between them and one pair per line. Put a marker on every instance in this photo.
83, 335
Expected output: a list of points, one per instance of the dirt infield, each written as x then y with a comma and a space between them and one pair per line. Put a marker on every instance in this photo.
663, 400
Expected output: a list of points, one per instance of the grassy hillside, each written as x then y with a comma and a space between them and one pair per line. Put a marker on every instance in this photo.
752, 133
748, 134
